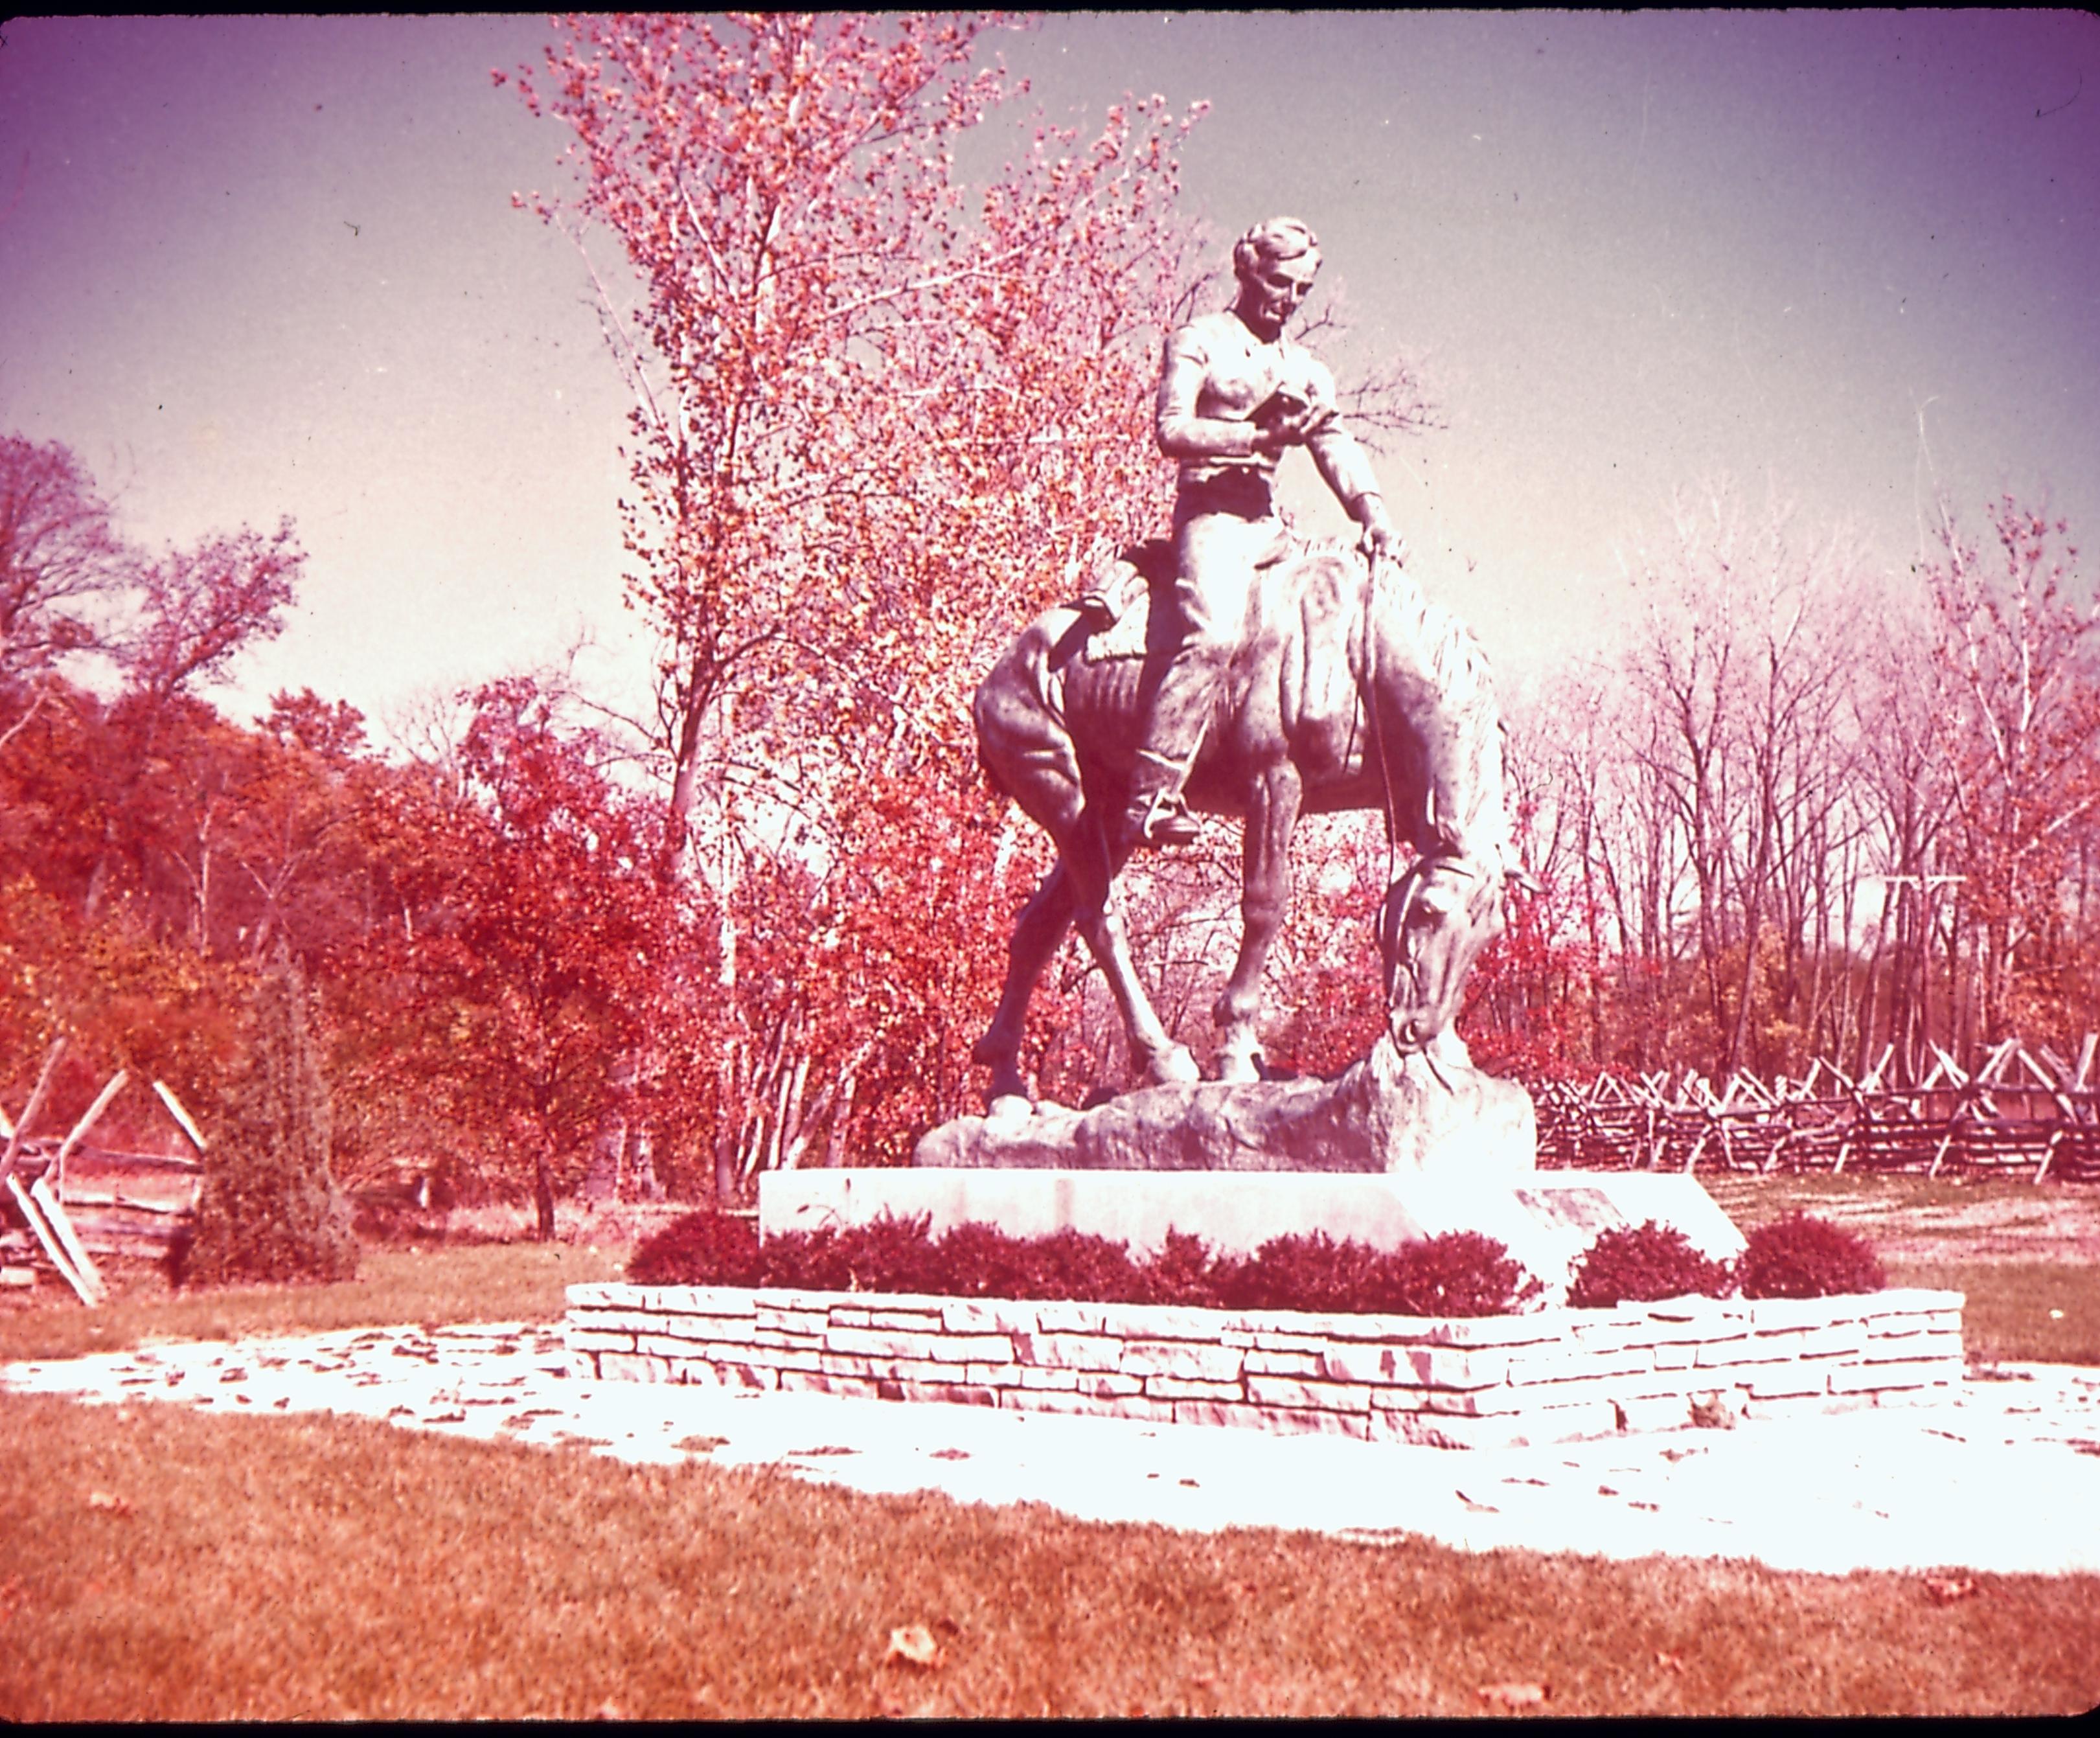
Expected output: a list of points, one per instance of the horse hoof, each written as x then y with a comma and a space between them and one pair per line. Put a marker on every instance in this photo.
1009, 1108
1176, 1067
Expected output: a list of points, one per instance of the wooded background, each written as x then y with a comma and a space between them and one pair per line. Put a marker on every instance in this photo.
755, 917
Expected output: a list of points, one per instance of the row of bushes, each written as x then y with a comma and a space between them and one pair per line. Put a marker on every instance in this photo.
1461, 1273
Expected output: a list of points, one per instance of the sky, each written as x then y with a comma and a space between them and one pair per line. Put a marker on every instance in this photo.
252, 267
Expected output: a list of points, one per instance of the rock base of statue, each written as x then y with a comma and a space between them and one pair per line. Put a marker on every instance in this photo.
1427, 1113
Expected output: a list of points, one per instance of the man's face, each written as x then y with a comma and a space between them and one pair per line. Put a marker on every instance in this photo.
1270, 294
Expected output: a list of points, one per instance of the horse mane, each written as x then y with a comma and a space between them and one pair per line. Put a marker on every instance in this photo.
1438, 643
1441, 643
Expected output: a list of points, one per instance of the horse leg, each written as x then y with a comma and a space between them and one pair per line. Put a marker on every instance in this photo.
1037, 932
1264, 897
1094, 863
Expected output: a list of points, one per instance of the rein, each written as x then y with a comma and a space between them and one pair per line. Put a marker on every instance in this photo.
1367, 685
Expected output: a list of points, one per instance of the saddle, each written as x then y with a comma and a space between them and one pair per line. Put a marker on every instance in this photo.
1118, 602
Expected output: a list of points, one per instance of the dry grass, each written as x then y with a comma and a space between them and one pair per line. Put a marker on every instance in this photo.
469, 1282
1920, 1219
2019, 1311
2028, 1257
156, 1563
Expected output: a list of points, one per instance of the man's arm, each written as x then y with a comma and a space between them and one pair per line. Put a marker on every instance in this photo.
1345, 469
1181, 433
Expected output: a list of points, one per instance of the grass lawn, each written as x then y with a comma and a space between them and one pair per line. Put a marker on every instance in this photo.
2019, 1311
157, 1563
2028, 1257
454, 1282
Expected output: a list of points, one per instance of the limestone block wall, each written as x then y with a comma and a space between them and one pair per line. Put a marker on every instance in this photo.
1553, 1376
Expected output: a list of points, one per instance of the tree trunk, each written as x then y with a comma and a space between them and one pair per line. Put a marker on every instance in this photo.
641, 1179
726, 1127
543, 1199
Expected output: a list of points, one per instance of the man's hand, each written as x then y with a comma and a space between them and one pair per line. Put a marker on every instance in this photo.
1284, 419
1379, 541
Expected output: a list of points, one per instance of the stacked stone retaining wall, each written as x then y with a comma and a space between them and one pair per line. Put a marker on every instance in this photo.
1553, 1376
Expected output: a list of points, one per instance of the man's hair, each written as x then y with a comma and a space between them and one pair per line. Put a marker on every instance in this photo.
1280, 238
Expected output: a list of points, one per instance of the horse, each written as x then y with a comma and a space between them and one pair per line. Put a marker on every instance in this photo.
1351, 690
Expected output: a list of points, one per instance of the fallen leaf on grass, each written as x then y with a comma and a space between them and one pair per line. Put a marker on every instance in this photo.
1513, 1694
1670, 1662
108, 1503
915, 1645
1944, 1591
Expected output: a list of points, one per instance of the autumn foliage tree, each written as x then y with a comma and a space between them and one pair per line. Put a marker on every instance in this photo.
874, 418
544, 942
104, 645
1808, 810
2017, 636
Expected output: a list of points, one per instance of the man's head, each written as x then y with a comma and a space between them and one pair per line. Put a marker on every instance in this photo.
1275, 262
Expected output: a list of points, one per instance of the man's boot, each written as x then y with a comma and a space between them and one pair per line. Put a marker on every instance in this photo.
1156, 813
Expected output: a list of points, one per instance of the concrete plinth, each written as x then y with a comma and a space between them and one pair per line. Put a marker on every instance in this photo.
1547, 1219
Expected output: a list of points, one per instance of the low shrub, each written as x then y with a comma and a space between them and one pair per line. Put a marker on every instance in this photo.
1801, 1257
888, 1255
1640, 1264
1460, 1274
701, 1249
1185, 1272
1312, 1273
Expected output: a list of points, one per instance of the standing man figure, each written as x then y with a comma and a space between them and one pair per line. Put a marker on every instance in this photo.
1233, 393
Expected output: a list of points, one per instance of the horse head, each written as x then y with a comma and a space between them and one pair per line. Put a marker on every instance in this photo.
1437, 918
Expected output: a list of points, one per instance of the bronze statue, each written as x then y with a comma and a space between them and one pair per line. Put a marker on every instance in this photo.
1235, 394
1265, 683
1348, 690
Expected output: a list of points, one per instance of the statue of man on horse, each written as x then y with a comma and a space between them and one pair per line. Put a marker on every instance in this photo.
1268, 681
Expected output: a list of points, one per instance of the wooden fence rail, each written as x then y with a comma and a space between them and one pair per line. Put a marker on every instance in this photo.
2023, 1112
40, 1190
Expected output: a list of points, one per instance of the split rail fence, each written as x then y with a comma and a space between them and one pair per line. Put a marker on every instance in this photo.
2027, 1111
63, 1201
